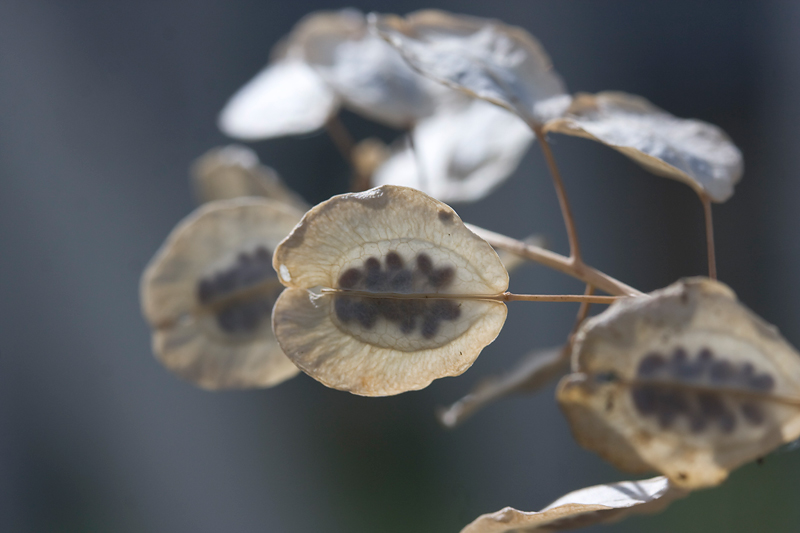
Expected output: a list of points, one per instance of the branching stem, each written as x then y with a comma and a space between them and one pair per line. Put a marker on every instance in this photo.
565, 265
421, 172
341, 137
345, 144
712, 256
503, 297
563, 201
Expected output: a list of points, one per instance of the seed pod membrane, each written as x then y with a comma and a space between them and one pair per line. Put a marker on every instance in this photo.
397, 242
692, 151
686, 381
585, 507
481, 57
209, 291
285, 98
460, 153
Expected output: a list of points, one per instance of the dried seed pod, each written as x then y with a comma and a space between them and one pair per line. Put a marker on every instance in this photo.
585, 507
209, 291
407, 292
694, 152
463, 151
234, 171
368, 75
485, 58
286, 98
329, 58
686, 381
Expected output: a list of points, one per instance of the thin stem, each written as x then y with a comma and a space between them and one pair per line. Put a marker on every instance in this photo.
423, 176
346, 145
341, 137
712, 256
563, 201
583, 311
503, 297
582, 298
532, 372
557, 262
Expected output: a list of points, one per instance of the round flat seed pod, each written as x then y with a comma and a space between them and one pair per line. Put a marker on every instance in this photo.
585, 507
234, 171
694, 152
399, 296
209, 291
485, 58
463, 152
686, 381
286, 98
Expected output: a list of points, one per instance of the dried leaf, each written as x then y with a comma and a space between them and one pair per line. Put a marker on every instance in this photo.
435, 273
465, 150
208, 294
686, 381
286, 98
585, 507
234, 171
694, 152
485, 58
532, 372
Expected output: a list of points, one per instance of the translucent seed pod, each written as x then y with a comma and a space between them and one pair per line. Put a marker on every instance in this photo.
387, 292
209, 291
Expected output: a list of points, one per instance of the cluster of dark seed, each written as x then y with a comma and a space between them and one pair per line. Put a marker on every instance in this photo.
245, 315
408, 314
667, 397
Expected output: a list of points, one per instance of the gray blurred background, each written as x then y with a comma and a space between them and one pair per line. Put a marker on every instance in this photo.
103, 105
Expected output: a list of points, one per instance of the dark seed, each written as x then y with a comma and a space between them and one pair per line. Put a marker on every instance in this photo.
345, 309
645, 399
710, 405
424, 263
350, 278
727, 423
697, 423
753, 413
376, 281
430, 325
408, 323
366, 313
401, 282
650, 365
762, 382
721, 371
394, 261
705, 356
441, 277
205, 291
244, 317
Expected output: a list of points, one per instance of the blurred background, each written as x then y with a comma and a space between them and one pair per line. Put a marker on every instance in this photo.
103, 105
